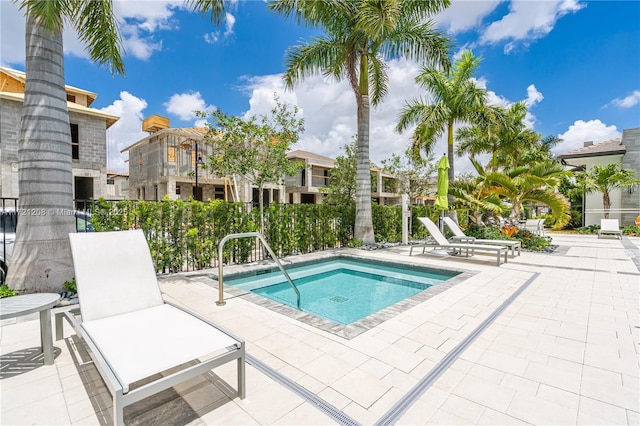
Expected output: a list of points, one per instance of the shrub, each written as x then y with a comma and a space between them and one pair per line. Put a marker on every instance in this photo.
70, 285
530, 241
5, 291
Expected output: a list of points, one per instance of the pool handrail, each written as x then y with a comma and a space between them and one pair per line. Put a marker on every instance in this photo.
258, 235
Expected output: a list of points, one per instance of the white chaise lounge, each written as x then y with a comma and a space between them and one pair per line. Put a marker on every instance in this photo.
610, 227
131, 333
442, 242
535, 226
460, 237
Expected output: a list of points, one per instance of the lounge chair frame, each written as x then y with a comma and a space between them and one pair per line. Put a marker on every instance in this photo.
119, 390
442, 242
610, 227
460, 237
228, 348
535, 226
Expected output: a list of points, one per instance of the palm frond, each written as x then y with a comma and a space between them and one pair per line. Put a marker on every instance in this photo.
320, 55
378, 79
96, 25
214, 8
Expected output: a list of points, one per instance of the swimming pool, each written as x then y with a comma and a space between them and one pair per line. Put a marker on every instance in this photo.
342, 290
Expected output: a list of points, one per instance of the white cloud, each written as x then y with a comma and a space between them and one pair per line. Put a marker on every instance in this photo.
465, 15
528, 20
184, 105
126, 131
584, 131
230, 21
215, 36
628, 101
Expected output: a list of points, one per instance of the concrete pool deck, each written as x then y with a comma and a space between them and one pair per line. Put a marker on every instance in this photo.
565, 351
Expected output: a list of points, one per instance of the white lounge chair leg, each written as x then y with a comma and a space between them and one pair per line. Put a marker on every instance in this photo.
241, 375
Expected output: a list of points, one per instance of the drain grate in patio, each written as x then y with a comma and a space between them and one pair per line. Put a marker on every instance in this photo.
394, 414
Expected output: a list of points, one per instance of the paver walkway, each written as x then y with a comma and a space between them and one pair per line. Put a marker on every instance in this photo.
564, 352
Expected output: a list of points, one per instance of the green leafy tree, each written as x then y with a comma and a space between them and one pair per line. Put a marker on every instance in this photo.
471, 192
605, 179
456, 98
536, 183
342, 185
254, 148
413, 175
41, 259
359, 36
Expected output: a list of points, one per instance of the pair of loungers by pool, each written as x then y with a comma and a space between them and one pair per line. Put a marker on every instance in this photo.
140, 344
460, 242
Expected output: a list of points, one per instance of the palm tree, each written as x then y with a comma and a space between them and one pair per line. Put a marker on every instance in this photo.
41, 259
471, 192
605, 179
456, 98
536, 183
360, 35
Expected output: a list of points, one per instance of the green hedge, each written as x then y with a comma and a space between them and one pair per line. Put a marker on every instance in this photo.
185, 234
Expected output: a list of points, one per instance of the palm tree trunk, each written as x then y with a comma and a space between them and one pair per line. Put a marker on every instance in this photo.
364, 219
41, 259
606, 203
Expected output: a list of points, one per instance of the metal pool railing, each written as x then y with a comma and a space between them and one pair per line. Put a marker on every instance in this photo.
258, 235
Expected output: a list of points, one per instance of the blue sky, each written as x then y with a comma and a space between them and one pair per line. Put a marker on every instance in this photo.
575, 63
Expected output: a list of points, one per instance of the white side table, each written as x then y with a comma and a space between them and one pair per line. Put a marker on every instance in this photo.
16, 306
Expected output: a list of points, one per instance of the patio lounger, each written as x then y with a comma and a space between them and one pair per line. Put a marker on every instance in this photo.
610, 227
442, 242
460, 237
131, 333
535, 226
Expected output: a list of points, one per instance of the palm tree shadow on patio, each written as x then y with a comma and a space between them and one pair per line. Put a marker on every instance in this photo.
23, 361
179, 405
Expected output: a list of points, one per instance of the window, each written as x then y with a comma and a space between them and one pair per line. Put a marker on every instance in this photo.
171, 154
177, 189
111, 182
71, 98
75, 142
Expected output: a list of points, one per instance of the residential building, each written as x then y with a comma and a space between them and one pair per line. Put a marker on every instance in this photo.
88, 138
306, 185
169, 162
625, 204
117, 186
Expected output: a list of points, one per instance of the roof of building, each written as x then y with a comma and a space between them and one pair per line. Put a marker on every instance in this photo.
306, 155
22, 77
610, 147
73, 107
187, 132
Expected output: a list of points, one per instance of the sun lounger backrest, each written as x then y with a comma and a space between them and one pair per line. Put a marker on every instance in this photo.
433, 230
114, 273
453, 226
609, 225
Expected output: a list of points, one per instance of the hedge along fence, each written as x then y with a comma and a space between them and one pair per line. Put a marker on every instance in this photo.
184, 235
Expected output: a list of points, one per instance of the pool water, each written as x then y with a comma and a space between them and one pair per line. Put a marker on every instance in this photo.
342, 290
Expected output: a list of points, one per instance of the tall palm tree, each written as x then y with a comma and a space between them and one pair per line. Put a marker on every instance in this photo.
456, 98
359, 36
41, 259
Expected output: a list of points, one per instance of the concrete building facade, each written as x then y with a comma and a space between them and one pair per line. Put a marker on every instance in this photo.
88, 138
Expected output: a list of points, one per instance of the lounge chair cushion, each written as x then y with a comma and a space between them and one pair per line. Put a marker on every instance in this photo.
142, 343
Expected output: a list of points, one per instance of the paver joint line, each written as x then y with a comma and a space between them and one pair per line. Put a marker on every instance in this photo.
391, 416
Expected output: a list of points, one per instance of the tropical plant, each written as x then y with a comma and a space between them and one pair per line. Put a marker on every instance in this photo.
536, 183
342, 185
457, 98
471, 193
605, 179
41, 258
359, 36
254, 148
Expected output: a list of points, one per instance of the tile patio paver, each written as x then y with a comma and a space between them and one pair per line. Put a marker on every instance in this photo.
564, 352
